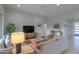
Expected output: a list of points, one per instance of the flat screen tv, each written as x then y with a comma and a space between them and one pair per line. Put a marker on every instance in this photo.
28, 29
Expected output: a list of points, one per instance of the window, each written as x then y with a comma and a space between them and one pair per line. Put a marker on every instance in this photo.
76, 26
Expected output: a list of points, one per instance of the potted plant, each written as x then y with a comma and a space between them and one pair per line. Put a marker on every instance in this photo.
10, 28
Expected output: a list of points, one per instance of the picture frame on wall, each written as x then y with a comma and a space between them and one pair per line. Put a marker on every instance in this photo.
56, 25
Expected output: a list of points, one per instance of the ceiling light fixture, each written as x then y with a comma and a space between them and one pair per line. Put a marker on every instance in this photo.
57, 4
18, 5
42, 9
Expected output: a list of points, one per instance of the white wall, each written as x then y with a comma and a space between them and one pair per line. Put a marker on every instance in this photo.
66, 18
0, 24
1, 20
22, 18
1, 8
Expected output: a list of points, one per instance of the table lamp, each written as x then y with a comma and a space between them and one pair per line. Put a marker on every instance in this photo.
16, 39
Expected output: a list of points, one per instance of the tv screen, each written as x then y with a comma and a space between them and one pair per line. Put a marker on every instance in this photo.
28, 29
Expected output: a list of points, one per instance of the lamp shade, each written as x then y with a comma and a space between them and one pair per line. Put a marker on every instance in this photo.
17, 37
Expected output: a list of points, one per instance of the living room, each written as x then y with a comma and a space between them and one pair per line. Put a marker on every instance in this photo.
37, 28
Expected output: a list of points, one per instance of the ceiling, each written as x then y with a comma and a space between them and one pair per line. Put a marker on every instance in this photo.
49, 9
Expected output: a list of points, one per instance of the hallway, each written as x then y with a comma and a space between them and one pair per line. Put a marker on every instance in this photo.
73, 46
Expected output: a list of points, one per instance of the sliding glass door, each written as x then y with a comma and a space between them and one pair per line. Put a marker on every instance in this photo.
76, 28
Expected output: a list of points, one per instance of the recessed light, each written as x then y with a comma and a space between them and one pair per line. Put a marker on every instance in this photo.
18, 5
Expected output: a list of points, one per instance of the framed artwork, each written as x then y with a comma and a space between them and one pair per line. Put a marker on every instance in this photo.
56, 25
